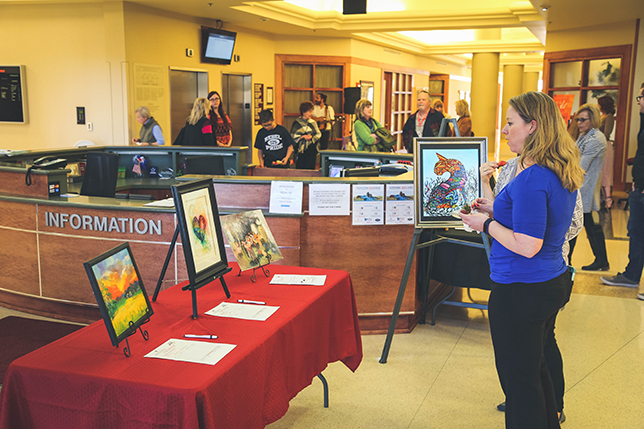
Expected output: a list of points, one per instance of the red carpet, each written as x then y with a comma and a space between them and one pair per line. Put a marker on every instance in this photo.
19, 336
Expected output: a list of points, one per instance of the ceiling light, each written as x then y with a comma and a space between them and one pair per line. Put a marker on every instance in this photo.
544, 8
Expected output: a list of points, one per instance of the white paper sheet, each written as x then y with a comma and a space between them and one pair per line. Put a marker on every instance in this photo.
286, 197
326, 199
204, 352
368, 204
166, 202
400, 204
243, 311
294, 279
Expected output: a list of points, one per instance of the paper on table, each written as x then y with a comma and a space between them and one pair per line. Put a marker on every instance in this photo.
191, 351
166, 202
293, 279
243, 311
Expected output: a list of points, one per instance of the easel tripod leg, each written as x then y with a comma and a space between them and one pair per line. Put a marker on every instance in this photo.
401, 294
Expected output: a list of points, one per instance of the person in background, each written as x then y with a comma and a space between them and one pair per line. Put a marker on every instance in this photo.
464, 122
150, 133
592, 149
306, 135
273, 142
528, 221
324, 115
219, 120
633, 272
439, 106
365, 127
197, 131
425, 122
606, 125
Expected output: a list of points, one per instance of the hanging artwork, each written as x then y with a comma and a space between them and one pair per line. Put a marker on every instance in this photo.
446, 178
201, 236
119, 292
250, 239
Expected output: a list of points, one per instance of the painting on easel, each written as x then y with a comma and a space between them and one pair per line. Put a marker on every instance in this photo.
446, 178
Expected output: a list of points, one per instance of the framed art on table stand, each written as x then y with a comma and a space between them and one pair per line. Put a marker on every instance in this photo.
201, 237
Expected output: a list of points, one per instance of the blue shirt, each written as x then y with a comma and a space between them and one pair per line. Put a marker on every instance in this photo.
535, 204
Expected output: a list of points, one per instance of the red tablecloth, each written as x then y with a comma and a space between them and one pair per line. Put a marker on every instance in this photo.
81, 381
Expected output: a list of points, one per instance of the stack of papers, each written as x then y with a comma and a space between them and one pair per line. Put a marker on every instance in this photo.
191, 351
243, 311
294, 279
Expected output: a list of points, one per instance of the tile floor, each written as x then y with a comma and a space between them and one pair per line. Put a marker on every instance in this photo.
443, 376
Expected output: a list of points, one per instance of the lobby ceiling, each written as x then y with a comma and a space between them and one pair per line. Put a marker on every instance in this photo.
459, 28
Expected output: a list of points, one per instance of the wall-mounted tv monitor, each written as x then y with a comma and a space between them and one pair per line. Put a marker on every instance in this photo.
217, 45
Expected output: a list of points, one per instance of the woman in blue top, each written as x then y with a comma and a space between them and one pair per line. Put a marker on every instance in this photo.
528, 222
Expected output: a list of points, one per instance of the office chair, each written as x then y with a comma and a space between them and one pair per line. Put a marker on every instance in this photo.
211, 165
101, 171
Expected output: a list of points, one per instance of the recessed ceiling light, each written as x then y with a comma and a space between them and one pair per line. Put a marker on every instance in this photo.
544, 8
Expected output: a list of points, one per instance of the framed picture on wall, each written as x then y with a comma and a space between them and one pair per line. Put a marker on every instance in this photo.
269, 95
200, 227
446, 177
366, 90
119, 292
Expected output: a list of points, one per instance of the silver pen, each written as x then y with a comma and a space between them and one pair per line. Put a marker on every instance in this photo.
247, 301
208, 337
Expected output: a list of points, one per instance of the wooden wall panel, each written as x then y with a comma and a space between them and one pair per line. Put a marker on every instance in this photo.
18, 215
374, 256
240, 195
13, 183
19, 256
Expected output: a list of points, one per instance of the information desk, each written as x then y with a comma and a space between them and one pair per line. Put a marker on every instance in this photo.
81, 381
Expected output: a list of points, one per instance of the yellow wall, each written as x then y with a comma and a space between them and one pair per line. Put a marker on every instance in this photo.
621, 33
64, 50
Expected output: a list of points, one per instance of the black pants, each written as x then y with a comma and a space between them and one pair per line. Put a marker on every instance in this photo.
595, 235
521, 317
307, 159
324, 140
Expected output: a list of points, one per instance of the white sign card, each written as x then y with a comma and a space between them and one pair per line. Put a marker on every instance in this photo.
286, 197
368, 204
400, 204
295, 279
243, 311
329, 199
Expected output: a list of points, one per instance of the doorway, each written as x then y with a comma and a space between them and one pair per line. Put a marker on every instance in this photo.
185, 87
236, 92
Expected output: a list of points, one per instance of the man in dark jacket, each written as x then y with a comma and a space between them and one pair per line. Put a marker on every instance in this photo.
631, 276
426, 122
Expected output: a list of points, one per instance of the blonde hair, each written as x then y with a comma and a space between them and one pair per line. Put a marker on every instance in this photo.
593, 113
438, 103
200, 108
360, 105
462, 108
549, 145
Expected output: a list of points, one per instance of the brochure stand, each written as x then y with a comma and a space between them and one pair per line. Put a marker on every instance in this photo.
192, 288
132, 331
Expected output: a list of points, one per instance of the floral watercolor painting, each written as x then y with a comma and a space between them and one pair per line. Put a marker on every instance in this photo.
250, 239
201, 227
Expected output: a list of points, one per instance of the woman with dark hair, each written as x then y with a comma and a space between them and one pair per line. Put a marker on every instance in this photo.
306, 134
606, 125
221, 126
528, 221
592, 149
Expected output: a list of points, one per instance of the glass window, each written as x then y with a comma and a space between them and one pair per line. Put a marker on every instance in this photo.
593, 96
298, 76
328, 76
293, 99
604, 72
436, 87
565, 74
334, 99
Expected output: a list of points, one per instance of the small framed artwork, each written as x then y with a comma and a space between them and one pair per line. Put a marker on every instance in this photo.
200, 227
119, 292
250, 239
366, 90
446, 177
269, 95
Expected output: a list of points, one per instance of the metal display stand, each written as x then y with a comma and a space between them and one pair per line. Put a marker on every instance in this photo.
192, 288
126, 350
267, 273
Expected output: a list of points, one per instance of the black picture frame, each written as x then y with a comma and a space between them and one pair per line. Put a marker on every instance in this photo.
434, 210
201, 234
122, 314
